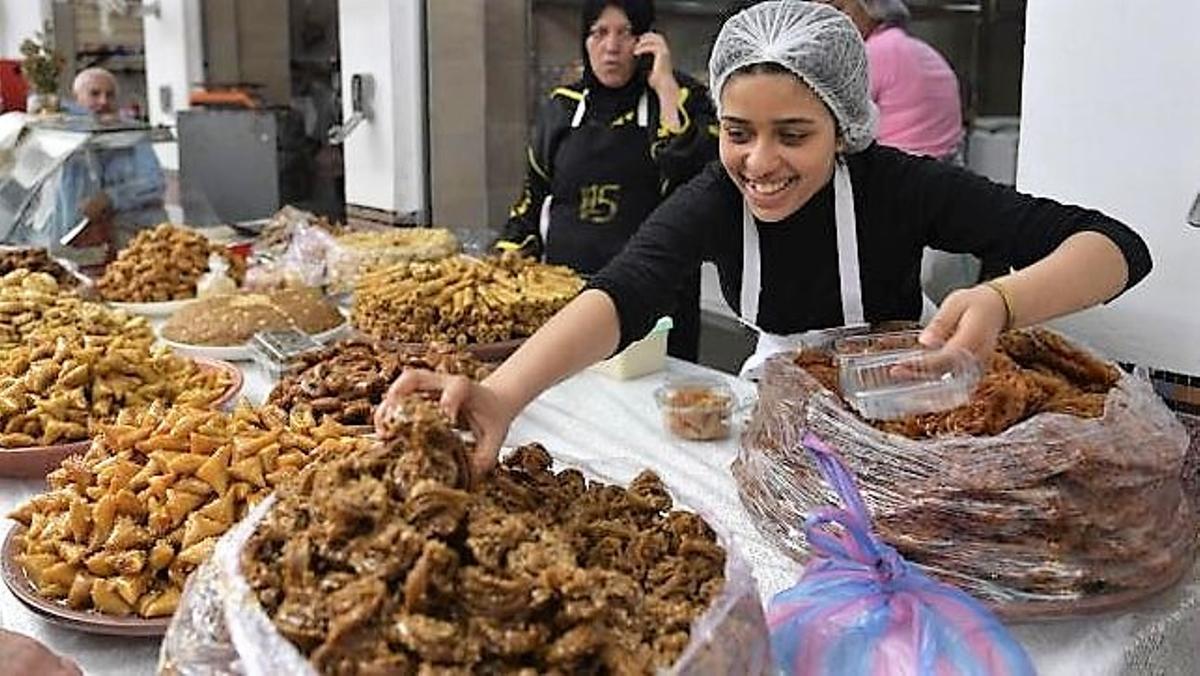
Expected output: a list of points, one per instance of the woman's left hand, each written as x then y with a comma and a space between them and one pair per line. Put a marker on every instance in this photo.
970, 319
662, 74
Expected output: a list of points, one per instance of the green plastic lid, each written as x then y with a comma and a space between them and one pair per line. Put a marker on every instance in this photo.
663, 325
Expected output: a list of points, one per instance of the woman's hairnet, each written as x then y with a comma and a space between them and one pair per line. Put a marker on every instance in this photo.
887, 11
814, 41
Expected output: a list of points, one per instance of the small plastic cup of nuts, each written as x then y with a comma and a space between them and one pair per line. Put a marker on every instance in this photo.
697, 409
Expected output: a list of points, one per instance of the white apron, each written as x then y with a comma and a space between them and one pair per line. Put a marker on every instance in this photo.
848, 273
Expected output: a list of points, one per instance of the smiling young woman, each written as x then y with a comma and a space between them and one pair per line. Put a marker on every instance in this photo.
811, 225
777, 140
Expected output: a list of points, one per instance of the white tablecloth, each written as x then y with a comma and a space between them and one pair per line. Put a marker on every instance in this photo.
614, 428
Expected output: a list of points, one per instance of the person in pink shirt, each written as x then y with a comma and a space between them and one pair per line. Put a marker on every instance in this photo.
914, 88
920, 112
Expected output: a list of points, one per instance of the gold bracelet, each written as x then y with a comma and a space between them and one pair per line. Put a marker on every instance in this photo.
1004, 296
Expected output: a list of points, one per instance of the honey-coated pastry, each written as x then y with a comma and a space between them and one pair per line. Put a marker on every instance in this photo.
348, 379
1031, 371
388, 558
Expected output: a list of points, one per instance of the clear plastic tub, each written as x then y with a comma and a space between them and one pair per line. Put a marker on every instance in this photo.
698, 409
891, 375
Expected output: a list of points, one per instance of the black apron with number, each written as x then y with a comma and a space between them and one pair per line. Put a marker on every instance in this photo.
604, 185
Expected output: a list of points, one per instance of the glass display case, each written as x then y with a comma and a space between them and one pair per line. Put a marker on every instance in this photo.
50, 166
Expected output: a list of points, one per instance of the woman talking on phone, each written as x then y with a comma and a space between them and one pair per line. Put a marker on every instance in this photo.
607, 149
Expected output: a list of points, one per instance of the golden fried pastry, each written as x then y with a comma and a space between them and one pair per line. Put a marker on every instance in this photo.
162, 264
33, 303
58, 384
125, 524
462, 300
36, 260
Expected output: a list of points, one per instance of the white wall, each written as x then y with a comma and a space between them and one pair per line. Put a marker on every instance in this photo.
174, 59
1110, 118
458, 128
384, 158
20, 19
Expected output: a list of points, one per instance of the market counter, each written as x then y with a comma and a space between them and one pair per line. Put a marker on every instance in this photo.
614, 428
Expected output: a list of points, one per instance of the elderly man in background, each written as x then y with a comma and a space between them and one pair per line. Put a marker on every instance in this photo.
118, 187
95, 91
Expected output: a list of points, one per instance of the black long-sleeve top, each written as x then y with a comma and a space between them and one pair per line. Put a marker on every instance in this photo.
902, 204
680, 154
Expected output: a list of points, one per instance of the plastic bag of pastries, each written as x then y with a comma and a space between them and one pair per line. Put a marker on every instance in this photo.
1050, 513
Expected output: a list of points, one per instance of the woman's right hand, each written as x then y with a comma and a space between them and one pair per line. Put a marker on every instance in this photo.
483, 409
968, 319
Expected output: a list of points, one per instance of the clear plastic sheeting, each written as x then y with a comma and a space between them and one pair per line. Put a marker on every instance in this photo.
30, 175
1056, 516
1155, 636
220, 628
299, 262
304, 251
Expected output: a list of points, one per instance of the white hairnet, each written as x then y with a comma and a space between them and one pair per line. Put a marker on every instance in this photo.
814, 41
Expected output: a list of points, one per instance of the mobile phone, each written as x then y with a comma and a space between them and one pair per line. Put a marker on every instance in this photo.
645, 63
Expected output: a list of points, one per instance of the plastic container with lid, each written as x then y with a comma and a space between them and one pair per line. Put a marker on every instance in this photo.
891, 375
698, 409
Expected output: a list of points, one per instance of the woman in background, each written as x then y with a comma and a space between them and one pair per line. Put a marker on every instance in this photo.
609, 148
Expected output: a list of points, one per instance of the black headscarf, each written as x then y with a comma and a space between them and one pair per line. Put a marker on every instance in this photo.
604, 102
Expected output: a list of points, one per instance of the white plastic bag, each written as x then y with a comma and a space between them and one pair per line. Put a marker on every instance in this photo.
215, 282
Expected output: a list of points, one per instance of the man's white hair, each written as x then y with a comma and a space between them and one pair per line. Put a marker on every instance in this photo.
88, 74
